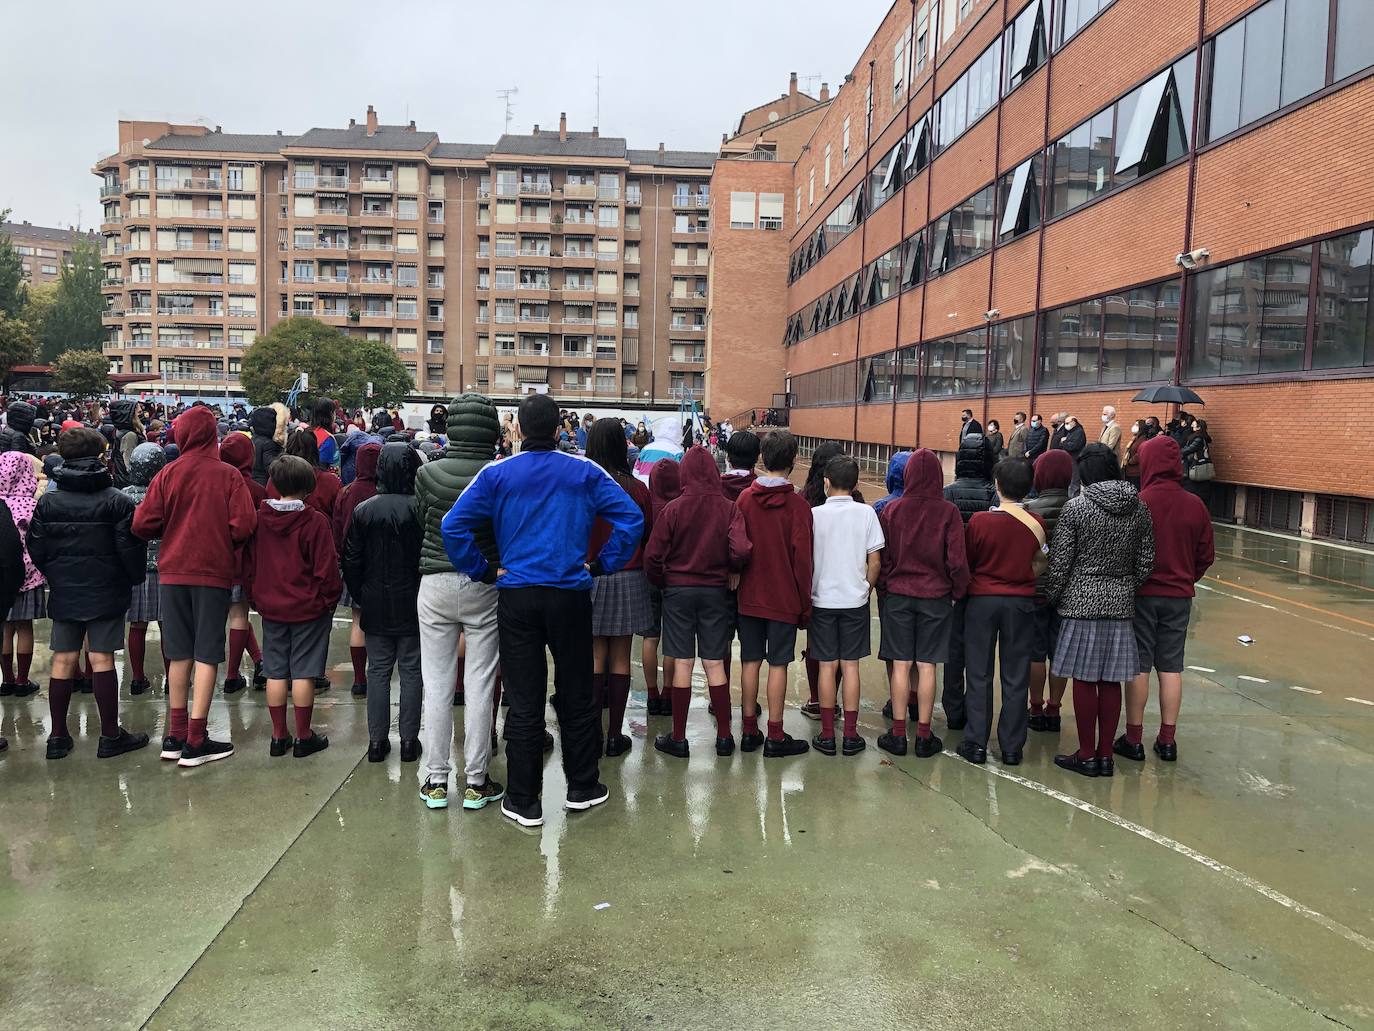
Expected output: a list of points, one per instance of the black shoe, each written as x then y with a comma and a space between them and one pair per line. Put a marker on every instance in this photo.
139, 686
892, 743
7, 689
1106, 767
956, 723
970, 752
458, 698
84, 686
377, 751
322, 685
531, 815
1127, 750
359, 690
853, 745
233, 685
1167, 752
654, 707
925, 747
1011, 758
25, 689
887, 709
751, 742
548, 741
781, 749
410, 750
122, 742
310, 745
584, 798
725, 745
171, 748
1036, 722
1072, 763
207, 751
1051, 724
3, 744
59, 747
259, 681
824, 745
617, 744
280, 746
811, 710
665, 743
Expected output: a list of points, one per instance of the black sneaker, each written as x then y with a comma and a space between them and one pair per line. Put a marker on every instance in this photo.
25, 689
892, 743
811, 710
280, 746
474, 796
531, 815
751, 742
548, 741
122, 742
781, 749
3, 744
259, 681
207, 751
853, 745
171, 748
7, 689
1127, 750
617, 744
233, 685
322, 685
825, 745
410, 750
725, 745
139, 686
584, 798
310, 745
665, 744
358, 690
925, 747
59, 747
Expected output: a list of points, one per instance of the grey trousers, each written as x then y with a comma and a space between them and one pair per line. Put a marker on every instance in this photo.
384, 652
450, 604
1000, 626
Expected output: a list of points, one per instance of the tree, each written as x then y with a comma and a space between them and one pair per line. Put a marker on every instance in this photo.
81, 373
12, 289
16, 344
339, 366
74, 322
38, 309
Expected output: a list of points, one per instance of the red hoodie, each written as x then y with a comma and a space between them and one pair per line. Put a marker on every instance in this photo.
699, 540
601, 530
237, 450
293, 569
736, 482
1183, 526
924, 556
777, 583
665, 484
199, 507
323, 498
364, 486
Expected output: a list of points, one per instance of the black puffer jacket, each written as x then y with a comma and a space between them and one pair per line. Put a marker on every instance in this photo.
81, 540
268, 423
972, 490
1037, 442
1103, 550
473, 429
128, 435
19, 418
381, 556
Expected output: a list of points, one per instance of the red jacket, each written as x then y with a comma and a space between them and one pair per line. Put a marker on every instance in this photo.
364, 486
699, 540
665, 484
323, 498
601, 530
237, 451
1000, 552
924, 556
732, 484
199, 507
777, 582
1183, 527
293, 569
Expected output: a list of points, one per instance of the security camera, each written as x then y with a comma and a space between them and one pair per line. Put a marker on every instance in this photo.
991, 314
1192, 259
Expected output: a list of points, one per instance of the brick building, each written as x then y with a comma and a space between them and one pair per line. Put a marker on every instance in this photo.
558, 258
42, 250
1045, 205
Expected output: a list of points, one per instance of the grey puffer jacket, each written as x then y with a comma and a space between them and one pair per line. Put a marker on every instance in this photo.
1048, 504
1103, 550
145, 462
473, 430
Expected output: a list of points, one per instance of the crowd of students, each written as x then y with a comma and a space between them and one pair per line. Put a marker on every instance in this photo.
458, 579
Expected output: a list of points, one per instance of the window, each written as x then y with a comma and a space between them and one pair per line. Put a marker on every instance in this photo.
868, 112
1344, 337
831, 386
1072, 15
811, 188
844, 143
770, 211
407, 208
741, 210
1013, 345
1124, 337
963, 232
955, 365
1250, 316
1354, 37
1023, 45
798, 199
971, 97
922, 36
825, 177
1018, 199
899, 66
876, 378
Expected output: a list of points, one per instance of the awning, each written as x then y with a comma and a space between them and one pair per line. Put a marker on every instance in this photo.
198, 264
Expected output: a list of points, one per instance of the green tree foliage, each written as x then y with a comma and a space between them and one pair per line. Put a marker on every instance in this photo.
339, 366
38, 309
12, 288
16, 344
81, 373
74, 321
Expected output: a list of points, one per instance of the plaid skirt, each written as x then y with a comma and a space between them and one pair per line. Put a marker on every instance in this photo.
30, 604
143, 603
346, 599
1096, 649
621, 605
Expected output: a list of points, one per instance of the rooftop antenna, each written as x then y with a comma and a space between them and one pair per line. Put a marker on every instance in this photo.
506, 94
807, 82
598, 94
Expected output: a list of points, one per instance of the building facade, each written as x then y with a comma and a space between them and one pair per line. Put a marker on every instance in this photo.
42, 250
555, 260
1046, 205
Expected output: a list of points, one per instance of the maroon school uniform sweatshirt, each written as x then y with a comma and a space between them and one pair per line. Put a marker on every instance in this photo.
236, 450
1183, 527
293, 569
777, 582
323, 498
1000, 552
733, 484
199, 507
924, 554
601, 530
699, 539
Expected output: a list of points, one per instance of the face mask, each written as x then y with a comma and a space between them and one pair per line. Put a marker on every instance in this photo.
963, 418
1134, 430
1106, 418
1035, 423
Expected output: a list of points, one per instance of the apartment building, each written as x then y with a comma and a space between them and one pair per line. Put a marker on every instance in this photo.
1046, 205
42, 250
556, 260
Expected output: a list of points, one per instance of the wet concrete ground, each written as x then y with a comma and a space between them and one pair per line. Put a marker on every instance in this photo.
1232, 890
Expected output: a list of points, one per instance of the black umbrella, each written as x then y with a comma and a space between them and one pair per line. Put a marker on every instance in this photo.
1169, 395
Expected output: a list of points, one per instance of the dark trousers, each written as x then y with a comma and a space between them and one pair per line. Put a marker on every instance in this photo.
1006, 624
386, 652
530, 618
952, 697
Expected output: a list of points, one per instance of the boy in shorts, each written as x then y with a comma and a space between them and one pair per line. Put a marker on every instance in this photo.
924, 573
293, 582
81, 540
846, 546
774, 591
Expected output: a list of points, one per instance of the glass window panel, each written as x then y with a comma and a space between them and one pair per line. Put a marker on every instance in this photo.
1343, 303
1100, 156
1259, 82
1354, 36
1283, 312
1226, 57
1011, 355
1304, 48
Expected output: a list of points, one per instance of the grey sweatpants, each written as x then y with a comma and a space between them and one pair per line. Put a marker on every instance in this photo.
450, 604
385, 651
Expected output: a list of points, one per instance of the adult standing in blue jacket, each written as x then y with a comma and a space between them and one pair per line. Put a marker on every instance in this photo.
544, 597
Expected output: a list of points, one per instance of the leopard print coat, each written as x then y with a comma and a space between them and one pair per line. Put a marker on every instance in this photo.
1103, 550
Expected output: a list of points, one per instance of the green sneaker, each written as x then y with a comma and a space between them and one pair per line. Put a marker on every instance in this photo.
476, 798
435, 795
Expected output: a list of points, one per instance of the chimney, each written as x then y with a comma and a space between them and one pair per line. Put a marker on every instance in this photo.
596, 132
825, 92
218, 129
563, 127
412, 125
660, 151
536, 128
792, 85
371, 120
352, 123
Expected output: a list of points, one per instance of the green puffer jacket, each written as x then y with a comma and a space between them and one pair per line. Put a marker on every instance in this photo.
473, 429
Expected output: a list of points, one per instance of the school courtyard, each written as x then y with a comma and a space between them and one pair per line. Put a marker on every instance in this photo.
1232, 890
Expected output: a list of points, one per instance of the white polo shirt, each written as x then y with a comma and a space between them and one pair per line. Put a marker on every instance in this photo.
844, 533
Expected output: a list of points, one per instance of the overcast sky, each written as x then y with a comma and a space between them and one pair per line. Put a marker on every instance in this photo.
679, 73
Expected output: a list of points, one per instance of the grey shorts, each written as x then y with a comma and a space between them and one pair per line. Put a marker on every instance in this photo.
1161, 629
656, 608
915, 629
295, 651
69, 635
1046, 631
842, 634
769, 639
697, 621
193, 621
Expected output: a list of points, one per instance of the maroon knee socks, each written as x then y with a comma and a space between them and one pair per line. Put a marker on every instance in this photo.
106, 687
138, 642
682, 698
59, 701
1108, 716
22, 660
720, 705
813, 677
7, 666
1085, 715
237, 640
278, 714
618, 684
359, 657
303, 714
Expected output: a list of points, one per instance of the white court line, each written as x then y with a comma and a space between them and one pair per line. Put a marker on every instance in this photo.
1253, 680
1291, 615
1360, 701
1202, 669
1214, 865
1304, 690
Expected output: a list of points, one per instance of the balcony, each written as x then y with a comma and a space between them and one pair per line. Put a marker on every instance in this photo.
191, 183
608, 258
331, 182
688, 359
110, 282
608, 193
112, 220
691, 200
370, 247
435, 219
541, 286
369, 185
634, 198
579, 191
112, 190
241, 313
687, 327
375, 283
536, 187
507, 189
337, 243
435, 316
114, 249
